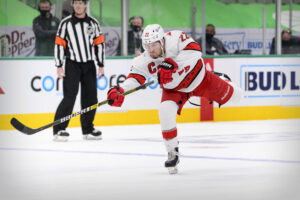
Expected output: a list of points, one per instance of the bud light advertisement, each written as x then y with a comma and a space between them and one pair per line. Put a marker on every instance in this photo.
270, 81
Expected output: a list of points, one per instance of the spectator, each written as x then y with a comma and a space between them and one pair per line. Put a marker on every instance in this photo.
44, 28
289, 44
134, 36
67, 9
213, 45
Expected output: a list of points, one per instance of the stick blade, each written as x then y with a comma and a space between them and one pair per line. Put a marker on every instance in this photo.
21, 127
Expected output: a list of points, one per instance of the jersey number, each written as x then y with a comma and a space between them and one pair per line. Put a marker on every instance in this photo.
184, 36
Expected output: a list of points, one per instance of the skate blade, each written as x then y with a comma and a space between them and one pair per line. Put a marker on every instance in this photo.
60, 139
173, 170
87, 137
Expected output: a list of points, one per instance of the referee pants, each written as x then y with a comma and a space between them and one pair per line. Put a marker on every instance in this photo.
85, 74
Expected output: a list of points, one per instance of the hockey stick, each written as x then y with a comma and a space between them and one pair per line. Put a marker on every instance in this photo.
29, 131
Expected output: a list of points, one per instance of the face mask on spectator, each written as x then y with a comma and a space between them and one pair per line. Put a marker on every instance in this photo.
44, 13
209, 36
136, 28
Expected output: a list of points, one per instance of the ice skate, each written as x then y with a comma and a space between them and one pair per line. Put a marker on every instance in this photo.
61, 136
94, 135
172, 162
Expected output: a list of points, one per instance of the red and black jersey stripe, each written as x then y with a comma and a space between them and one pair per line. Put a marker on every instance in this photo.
141, 79
190, 77
193, 46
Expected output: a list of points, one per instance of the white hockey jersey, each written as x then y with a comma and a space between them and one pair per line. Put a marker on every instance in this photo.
184, 51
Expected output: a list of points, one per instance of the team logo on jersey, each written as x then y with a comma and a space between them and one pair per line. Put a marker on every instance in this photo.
90, 30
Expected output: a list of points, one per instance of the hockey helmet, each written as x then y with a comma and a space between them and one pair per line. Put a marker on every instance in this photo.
152, 33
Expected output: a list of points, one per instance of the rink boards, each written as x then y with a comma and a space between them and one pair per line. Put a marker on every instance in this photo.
30, 91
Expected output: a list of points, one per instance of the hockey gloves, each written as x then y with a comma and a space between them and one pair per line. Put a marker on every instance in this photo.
165, 71
115, 97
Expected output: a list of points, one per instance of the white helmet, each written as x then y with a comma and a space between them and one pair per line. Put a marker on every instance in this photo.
152, 33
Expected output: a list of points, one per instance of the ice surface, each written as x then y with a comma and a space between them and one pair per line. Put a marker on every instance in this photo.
247, 160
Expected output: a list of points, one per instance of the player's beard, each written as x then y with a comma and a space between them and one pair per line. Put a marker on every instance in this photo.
157, 55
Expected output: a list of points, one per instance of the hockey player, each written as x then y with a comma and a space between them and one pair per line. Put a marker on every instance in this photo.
175, 60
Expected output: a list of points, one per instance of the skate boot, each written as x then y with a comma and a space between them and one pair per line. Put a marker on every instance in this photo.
61, 136
173, 160
94, 135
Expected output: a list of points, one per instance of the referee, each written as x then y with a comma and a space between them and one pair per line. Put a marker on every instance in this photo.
80, 39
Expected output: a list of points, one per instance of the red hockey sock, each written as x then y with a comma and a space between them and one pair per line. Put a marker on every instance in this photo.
169, 134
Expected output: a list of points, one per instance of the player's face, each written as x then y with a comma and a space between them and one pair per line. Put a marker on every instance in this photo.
154, 49
79, 7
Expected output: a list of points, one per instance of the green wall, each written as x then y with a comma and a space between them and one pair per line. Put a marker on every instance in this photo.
16, 13
177, 13
168, 13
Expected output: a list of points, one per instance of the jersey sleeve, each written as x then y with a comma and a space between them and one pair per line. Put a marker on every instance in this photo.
186, 42
60, 44
129, 84
99, 45
189, 51
135, 78
138, 73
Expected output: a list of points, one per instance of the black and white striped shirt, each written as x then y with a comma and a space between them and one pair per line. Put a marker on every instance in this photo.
79, 40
